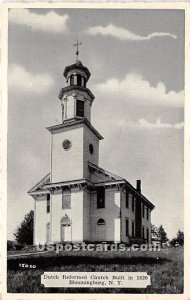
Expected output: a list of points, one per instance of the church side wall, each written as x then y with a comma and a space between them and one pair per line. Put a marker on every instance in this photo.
41, 220
146, 223
75, 214
111, 215
126, 213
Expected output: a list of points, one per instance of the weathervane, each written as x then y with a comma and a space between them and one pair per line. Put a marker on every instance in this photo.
77, 52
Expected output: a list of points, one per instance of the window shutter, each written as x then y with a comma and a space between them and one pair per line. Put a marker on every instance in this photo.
48, 203
126, 227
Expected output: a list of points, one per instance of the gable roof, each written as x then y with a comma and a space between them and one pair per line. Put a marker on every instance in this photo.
109, 178
39, 186
101, 175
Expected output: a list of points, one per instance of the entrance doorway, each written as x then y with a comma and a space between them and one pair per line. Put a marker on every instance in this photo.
101, 230
66, 234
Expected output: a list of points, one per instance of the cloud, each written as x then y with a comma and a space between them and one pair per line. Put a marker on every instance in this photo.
134, 86
50, 22
143, 123
29, 83
124, 34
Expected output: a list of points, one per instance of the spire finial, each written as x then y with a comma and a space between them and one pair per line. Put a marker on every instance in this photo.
77, 52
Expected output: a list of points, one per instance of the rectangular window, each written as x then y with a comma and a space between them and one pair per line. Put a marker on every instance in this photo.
66, 200
126, 227
147, 213
133, 204
133, 229
80, 108
100, 197
147, 235
48, 203
143, 232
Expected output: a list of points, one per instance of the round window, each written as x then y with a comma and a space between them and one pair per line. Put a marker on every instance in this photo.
91, 149
67, 144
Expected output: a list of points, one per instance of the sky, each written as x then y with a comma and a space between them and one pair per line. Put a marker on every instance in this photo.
136, 60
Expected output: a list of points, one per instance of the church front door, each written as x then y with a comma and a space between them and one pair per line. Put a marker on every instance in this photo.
65, 233
101, 230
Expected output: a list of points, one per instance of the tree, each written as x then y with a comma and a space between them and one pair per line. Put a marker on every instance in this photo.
154, 230
163, 235
24, 233
155, 236
180, 237
173, 242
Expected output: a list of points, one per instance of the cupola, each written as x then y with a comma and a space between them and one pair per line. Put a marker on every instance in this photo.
76, 74
76, 98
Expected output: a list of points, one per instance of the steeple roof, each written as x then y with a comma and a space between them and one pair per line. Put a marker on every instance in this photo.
77, 65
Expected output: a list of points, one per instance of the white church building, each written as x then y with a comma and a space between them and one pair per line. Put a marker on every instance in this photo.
79, 200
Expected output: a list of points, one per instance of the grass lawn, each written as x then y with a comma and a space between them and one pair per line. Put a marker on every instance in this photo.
165, 269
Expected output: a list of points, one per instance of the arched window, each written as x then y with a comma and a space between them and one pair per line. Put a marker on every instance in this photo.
101, 222
66, 198
66, 234
65, 220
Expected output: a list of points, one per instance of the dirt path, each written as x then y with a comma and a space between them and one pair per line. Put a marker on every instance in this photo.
26, 253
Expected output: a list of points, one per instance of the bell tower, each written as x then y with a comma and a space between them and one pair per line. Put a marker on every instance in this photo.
76, 98
75, 142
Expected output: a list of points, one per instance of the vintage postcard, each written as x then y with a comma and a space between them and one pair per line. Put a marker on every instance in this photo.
95, 113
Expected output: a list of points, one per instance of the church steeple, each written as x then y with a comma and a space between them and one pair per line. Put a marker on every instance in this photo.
76, 98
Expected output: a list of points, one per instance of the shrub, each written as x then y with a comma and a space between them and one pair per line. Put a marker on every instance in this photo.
10, 245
